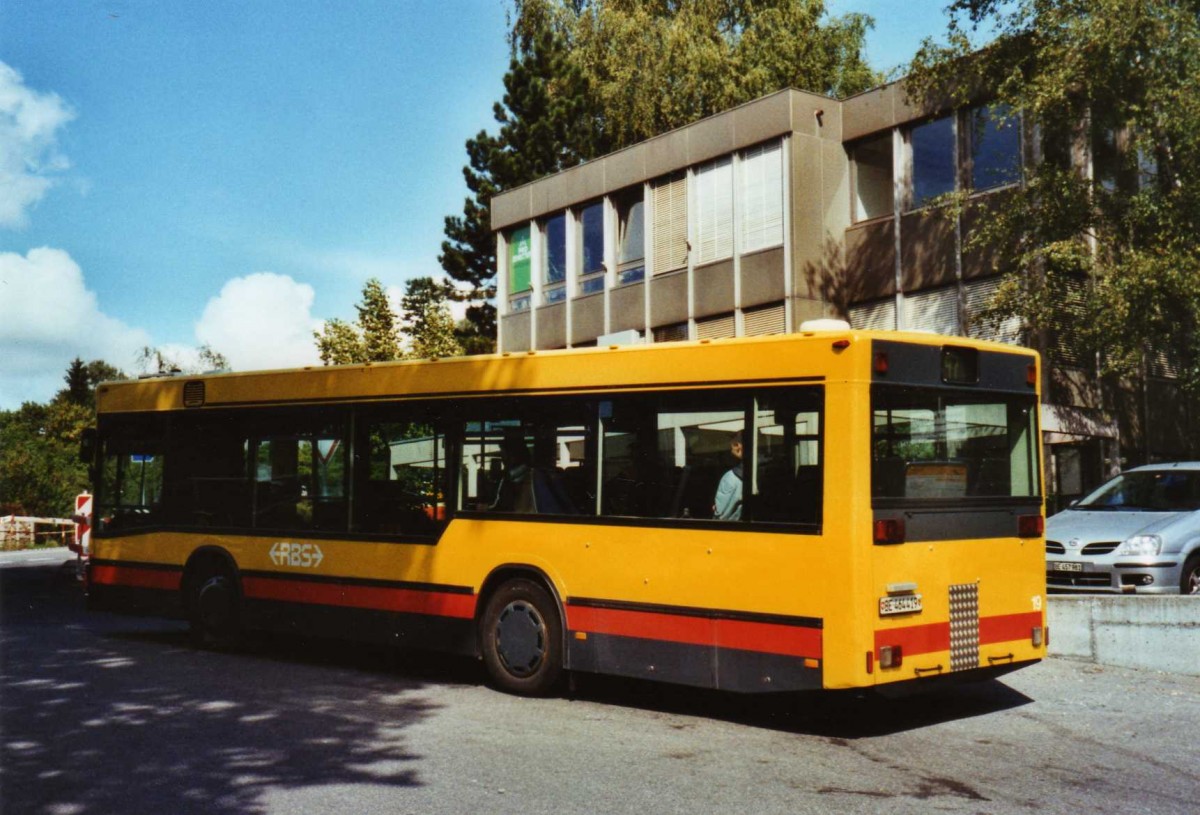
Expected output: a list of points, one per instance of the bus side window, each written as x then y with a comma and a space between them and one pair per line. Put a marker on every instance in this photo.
533, 464
788, 462
299, 478
699, 467
131, 483
402, 477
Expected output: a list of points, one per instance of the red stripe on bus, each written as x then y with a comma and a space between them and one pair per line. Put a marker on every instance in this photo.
916, 639
136, 577
1008, 627
932, 637
381, 598
769, 638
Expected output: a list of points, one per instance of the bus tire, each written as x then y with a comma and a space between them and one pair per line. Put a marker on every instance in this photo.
521, 639
215, 610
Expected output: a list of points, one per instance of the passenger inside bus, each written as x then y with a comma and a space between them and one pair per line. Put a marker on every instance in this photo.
727, 505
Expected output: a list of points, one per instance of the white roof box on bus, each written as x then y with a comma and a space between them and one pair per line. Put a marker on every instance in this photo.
824, 325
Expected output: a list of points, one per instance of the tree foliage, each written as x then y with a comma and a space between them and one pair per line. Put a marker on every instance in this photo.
40, 471
374, 337
157, 361
425, 329
428, 324
1106, 262
587, 77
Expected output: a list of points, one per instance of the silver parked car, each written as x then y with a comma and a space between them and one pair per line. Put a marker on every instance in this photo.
1138, 533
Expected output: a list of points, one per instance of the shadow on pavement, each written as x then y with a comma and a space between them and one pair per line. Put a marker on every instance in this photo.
836, 715
105, 714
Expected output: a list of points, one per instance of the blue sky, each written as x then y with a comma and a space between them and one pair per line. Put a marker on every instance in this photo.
173, 173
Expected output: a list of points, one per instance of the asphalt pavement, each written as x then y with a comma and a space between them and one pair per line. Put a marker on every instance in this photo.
107, 714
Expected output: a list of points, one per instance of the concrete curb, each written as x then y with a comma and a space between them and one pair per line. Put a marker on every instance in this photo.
1151, 633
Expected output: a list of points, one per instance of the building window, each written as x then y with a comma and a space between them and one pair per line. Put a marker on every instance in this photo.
714, 211
591, 270
935, 310
711, 328
520, 257
555, 259
631, 237
873, 185
995, 147
762, 197
933, 172
670, 223
676, 332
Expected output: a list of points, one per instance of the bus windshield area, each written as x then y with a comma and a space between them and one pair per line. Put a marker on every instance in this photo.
1147, 491
949, 446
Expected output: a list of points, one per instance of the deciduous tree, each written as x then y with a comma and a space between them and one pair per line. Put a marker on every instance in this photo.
1102, 237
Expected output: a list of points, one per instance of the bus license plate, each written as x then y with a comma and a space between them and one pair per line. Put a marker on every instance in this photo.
899, 604
1065, 566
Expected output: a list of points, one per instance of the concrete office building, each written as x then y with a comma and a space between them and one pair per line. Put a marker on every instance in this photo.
789, 208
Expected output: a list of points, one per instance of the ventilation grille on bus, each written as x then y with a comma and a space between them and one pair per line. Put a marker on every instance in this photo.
964, 626
193, 393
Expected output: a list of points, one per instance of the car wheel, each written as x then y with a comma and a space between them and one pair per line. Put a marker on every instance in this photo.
521, 639
1189, 579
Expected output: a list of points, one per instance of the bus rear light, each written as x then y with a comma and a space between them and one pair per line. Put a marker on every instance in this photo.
839, 345
1031, 375
889, 530
881, 362
1030, 526
1037, 636
890, 656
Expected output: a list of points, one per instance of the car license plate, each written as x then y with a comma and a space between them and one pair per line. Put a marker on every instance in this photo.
1064, 566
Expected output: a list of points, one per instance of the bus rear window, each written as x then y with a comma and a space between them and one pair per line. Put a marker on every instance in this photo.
934, 445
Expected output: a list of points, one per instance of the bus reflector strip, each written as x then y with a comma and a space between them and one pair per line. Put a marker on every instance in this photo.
139, 577
745, 635
381, 598
933, 637
1008, 627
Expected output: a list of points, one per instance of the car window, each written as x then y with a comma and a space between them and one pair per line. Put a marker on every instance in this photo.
1148, 490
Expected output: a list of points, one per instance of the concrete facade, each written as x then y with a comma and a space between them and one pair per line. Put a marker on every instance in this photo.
857, 242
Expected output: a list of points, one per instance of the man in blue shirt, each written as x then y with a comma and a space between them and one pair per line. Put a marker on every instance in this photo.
728, 503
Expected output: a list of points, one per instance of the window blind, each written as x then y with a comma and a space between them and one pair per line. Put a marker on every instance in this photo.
762, 197
935, 311
764, 320
714, 210
877, 316
670, 223
979, 294
710, 328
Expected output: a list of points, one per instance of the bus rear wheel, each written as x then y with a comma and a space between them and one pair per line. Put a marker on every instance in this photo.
215, 613
522, 639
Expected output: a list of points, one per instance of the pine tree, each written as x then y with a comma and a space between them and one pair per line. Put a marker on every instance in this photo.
546, 125
78, 388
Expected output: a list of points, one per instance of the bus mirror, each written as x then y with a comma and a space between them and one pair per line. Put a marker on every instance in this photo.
87, 445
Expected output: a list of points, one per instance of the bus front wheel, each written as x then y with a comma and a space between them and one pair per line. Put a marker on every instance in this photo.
215, 615
522, 639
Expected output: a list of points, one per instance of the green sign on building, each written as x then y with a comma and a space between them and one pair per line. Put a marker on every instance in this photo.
520, 258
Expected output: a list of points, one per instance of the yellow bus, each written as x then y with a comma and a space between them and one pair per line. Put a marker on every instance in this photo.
829, 509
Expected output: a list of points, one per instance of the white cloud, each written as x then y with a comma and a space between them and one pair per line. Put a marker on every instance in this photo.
262, 320
48, 317
29, 125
